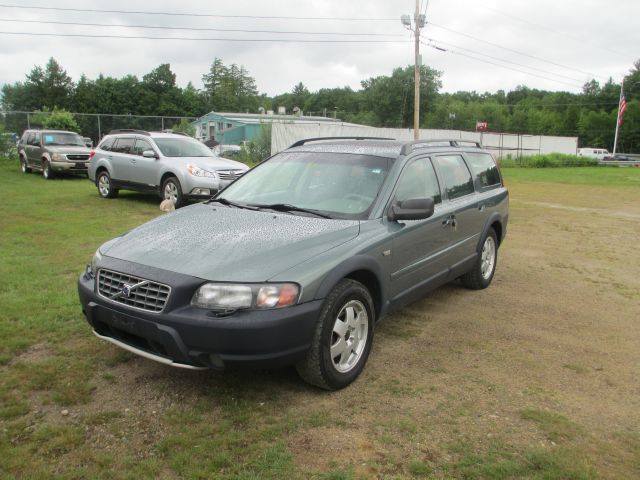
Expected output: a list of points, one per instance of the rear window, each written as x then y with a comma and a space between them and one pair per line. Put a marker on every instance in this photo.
455, 175
484, 168
123, 145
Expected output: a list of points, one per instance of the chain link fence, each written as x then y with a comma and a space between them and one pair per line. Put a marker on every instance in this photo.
92, 125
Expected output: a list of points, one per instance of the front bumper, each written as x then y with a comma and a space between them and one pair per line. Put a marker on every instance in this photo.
70, 166
189, 337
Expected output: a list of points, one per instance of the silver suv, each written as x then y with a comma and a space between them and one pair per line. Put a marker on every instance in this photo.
175, 166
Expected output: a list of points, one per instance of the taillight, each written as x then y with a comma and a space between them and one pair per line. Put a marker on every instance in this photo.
93, 152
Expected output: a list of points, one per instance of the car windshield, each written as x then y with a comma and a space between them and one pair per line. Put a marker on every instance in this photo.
182, 147
338, 185
56, 138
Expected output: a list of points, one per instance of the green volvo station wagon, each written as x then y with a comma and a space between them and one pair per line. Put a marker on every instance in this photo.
296, 261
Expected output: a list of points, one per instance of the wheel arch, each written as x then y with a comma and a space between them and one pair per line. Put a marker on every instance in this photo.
363, 269
495, 222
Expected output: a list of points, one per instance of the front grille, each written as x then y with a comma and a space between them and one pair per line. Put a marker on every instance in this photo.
229, 174
149, 296
78, 157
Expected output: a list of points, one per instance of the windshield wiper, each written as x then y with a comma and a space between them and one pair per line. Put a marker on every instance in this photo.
229, 203
285, 207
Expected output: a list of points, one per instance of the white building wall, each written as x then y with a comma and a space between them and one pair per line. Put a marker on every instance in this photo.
502, 144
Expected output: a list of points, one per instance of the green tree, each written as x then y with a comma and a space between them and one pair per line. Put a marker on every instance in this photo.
58, 120
184, 126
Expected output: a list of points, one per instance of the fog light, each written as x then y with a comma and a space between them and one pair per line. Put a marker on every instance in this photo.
200, 191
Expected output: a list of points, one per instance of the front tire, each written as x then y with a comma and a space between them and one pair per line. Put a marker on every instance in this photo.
342, 339
47, 173
171, 190
105, 185
481, 274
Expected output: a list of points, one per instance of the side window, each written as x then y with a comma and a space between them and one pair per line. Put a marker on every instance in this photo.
455, 176
123, 145
418, 180
30, 138
35, 140
107, 144
484, 168
141, 146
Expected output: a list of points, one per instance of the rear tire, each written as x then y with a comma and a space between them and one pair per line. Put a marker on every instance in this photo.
24, 166
47, 173
171, 190
481, 274
105, 185
342, 338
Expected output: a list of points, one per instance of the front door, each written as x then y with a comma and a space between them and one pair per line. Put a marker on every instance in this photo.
419, 246
143, 170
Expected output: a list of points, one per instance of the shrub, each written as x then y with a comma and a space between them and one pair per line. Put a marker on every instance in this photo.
58, 120
549, 160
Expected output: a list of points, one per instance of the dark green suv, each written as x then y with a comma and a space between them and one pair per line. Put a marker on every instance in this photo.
296, 261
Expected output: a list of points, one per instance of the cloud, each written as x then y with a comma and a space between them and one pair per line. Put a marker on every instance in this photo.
578, 40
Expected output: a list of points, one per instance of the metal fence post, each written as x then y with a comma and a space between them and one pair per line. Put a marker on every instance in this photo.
99, 133
28, 122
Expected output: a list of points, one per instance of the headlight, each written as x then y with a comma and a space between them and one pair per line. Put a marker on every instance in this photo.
196, 171
224, 296
56, 157
92, 268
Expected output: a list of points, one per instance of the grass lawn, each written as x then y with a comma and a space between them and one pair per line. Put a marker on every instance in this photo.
543, 387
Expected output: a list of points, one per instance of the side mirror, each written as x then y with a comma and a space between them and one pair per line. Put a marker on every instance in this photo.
412, 209
88, 144
149, 154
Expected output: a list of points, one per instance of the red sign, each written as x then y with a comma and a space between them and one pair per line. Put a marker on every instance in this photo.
482, 126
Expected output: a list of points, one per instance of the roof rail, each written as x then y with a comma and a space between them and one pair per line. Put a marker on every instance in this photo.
168, 130
129, 130
317, 139
436, 142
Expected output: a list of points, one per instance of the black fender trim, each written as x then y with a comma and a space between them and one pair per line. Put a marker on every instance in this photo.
354, 264
493, 218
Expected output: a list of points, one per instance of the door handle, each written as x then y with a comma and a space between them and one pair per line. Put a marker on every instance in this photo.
481, 207
449, 221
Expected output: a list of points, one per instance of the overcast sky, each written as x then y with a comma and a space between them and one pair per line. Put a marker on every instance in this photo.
572, 41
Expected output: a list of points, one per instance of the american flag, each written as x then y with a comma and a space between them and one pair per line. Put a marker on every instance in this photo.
621, 109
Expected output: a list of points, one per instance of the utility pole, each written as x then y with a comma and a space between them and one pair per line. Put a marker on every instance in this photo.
419, 22
615, 140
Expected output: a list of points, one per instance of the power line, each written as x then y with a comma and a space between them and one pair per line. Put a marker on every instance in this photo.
498, 64
85, 24
505, 61
477, 39
140, 37
182, 14
545, 27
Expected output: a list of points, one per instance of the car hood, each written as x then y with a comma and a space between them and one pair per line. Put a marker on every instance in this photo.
213, 163
71, 149
214, 242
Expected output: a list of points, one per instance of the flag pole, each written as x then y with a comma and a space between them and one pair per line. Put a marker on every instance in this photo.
615, 140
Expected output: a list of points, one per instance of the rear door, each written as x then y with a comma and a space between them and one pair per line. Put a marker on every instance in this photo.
487, 178
464, 223
35, 150
120, 158
419, 246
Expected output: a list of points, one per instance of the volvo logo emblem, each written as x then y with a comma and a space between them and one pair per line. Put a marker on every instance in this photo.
126, 290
